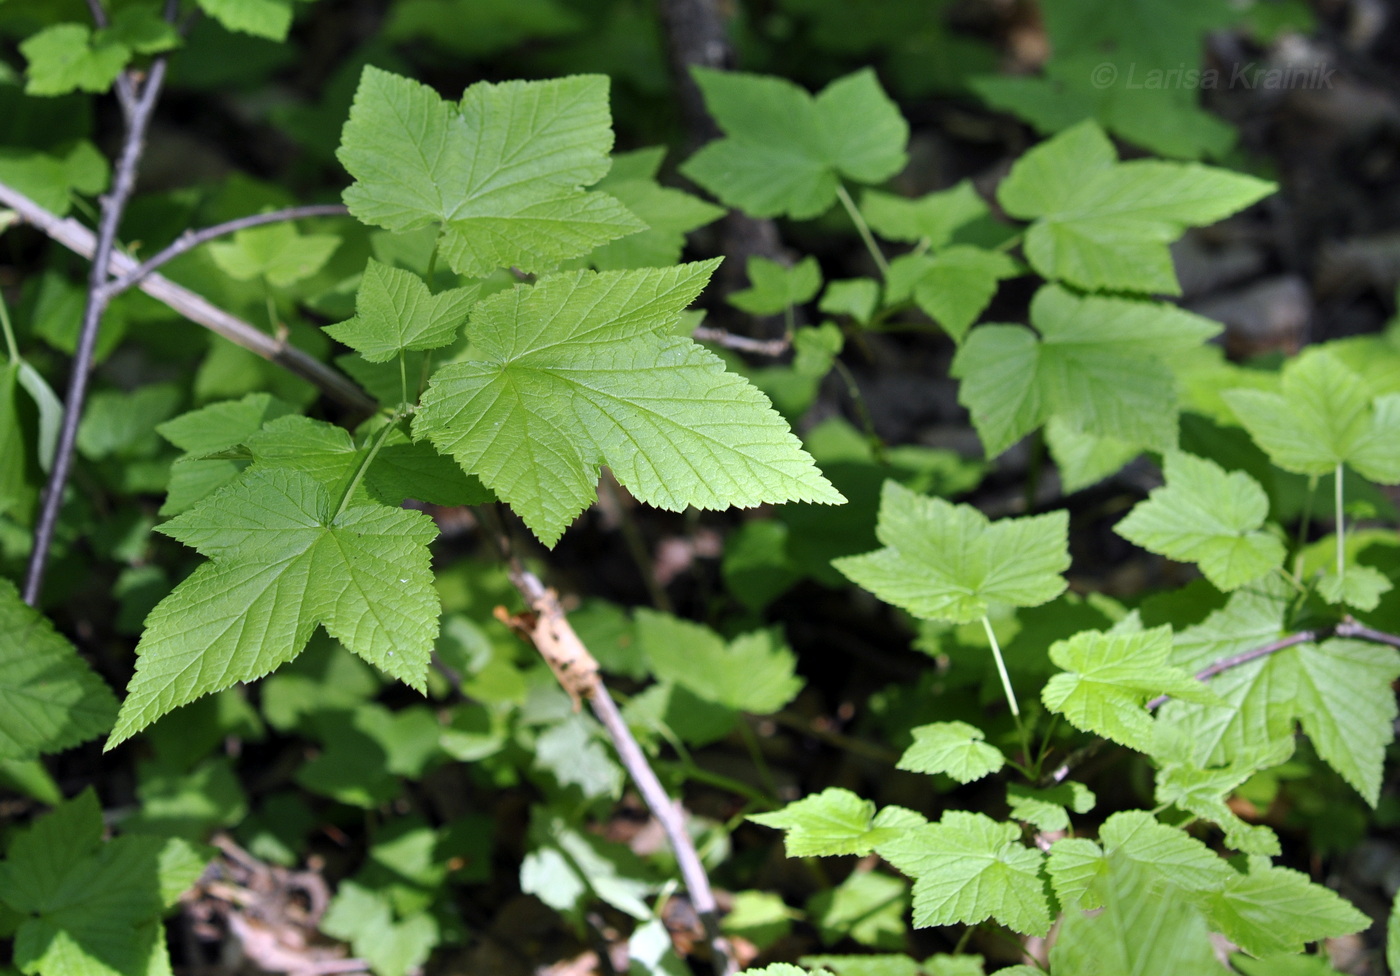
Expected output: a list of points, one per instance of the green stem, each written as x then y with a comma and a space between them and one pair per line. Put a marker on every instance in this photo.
1304, 524
867, 422
10, 342
1341, 526
1292, 581
379, 440
864, 230
432, 261
271, 307
755, 750
1009, 243
403, 382
1006, 687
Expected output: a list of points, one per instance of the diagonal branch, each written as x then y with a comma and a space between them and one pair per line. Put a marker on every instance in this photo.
113, 206
196, 308
580, 678
191, 239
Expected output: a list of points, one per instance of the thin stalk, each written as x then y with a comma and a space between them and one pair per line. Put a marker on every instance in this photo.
379, 440
755, 750
1292, 580
1341, 526
113, 206
10, 344
403, 382
432, 261
637, 548
867, 422
864, 230
1304, 524
1006, 687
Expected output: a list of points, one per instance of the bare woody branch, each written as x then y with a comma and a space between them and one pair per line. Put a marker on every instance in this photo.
191, 239
196, 308
576, 670
113, 206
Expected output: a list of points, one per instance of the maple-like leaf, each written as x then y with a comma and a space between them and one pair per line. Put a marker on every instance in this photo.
955, 748
581, 369
969, 868
1206, 516
396, 312
1099, 364
502, 174
948, 562
284, 559
835, 821
1102, 224
785, 150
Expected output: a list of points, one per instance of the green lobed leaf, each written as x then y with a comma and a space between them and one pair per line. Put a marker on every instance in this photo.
261, 18
1048, 809
1144, 926
752, 673
955, 748
949, 562
785, 151
89, 907
1097, 363
933, 218
1102, 224
276, 252
1357, 586
1109, 678
366, 919
69, 57
834, 821
952, 287
579, 370
51, 179
49, 699
1078, 867
1206, 516
774, 287
969, 868
1203, 792
502, 173
283, 559
1324, 417
396, 312
669, 214
868, 907
1273, 909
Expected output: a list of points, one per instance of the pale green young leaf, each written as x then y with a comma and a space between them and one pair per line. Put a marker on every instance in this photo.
784, 150
815, 348
1206, 516
143, 29
1109, 678
275, 252
1273, 909
1347, 708
969, 868
752, 673
283, 559
211, 430
1084, 459
1077, 866
948, 562
1358, 586
1144, 927
366, 919
955, 748
1049, 809
897, 964
669, 214
395, 311
1259, 696
774, 287
581, 370
1285, 964
952, 287
868, 907
834, 821
1097, 363
69, 57
502, 173
1324, 417
261, 18
92, 908
1102, 224
50, 699
1204, 791
856, 297
51, 180
932, 218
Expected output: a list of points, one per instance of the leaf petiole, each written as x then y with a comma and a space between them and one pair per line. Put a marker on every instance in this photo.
1341, 526
364, 465
864, 230
1006, 686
